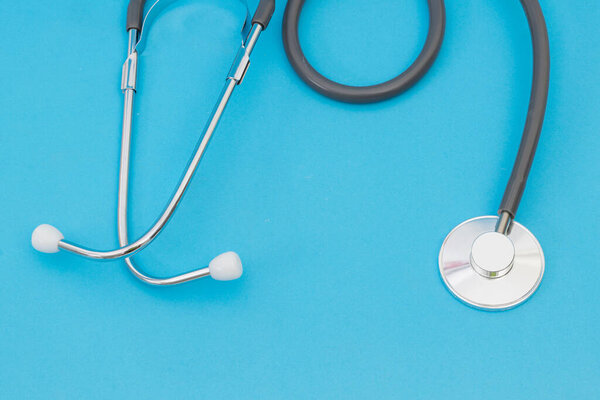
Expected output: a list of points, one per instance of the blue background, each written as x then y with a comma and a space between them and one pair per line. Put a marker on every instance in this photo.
338, 211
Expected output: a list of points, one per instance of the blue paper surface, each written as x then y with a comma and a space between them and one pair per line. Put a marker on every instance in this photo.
337, 211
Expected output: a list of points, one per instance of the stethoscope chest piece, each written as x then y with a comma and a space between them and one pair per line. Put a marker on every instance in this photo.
490, 270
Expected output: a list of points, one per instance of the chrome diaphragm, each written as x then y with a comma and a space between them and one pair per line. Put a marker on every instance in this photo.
490, 270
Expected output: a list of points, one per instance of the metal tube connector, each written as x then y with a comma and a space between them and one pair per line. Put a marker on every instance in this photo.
130, 66
242, 59
129, 77
504, 222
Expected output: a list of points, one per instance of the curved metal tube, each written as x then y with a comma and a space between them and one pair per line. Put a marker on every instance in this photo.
235, 77
124, 172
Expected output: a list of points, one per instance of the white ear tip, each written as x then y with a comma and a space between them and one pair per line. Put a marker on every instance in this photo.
226, 267
45, 238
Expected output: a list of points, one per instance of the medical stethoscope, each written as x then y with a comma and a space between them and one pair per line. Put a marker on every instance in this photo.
226, 266
488, 262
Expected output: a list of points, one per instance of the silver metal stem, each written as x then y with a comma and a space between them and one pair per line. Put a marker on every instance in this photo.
130, 249
252, 38
124, 184
129, 77
172, 205
504, 222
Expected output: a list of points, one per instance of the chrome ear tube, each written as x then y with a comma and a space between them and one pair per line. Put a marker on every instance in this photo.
226, 266
495, 263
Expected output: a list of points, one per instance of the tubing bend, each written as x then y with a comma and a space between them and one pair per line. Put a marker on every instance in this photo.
363, 94
537, 108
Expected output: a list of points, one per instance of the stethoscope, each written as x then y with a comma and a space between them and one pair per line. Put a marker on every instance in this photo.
495, 263
227, 266
489, 262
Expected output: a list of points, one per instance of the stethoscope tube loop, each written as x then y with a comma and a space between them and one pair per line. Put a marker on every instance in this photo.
362, 94
537, 108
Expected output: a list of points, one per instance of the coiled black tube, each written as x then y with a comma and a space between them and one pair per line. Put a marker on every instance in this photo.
537, 108
363, 94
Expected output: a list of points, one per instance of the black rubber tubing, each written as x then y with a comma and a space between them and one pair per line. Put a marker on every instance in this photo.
263, 13
135, 13
363, 94
537, 108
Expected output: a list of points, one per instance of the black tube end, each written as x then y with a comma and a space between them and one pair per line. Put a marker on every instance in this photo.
135, 14
263, 13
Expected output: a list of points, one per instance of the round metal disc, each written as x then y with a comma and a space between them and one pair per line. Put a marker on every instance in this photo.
498, 293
